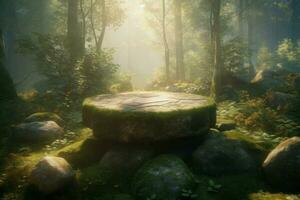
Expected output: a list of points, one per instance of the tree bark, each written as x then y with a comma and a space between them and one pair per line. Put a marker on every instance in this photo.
250, 37
180, 71
240, 11
166, 45
74, 33
217, 65
7, 88
83, 18
104, 25
295, 20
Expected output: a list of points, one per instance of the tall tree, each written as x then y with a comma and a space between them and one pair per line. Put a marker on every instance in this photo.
295, 19
166, 45
250, 35
180, 70
7, 88
217, 63
103, 10
240, 11
74, 36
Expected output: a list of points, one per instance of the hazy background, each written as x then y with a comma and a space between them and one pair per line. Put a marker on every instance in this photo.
133, 42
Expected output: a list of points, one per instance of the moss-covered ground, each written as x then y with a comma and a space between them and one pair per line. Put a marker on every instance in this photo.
83, 152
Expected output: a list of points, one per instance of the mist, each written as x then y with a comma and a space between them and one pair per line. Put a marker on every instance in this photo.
134, 45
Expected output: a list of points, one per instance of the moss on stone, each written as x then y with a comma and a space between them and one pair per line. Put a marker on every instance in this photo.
163, 177
44, 116
234, 187
269, 196
253, 143
135, 121
98, 182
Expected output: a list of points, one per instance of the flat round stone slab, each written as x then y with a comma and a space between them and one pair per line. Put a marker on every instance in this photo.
148, 116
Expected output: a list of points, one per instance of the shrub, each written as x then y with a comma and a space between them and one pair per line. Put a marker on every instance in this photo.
64, 79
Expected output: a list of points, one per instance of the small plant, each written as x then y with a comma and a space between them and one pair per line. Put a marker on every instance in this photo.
152, 197
213, 186
188, 194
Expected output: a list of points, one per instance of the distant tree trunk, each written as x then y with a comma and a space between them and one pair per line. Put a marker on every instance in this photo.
74, 40
83, 18
217, 65
295, 20
180, 71
9, 25
240, 11
7, 89
104, 25
250, 36
166, 45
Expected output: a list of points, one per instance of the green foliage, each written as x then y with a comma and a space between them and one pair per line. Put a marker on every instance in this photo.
213, 187
91, 75
95, 73
235, 55
188, 194
288, 53
122, 84
265, 59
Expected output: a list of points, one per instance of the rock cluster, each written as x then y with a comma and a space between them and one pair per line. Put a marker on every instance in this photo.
132, 127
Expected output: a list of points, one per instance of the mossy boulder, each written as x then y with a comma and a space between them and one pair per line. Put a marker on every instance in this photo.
37, 132
220, 155
270, 196
84, 153
281, 101
148, 116
44, 116
163, 178
269, 79
125, 159
282, 165
52, 174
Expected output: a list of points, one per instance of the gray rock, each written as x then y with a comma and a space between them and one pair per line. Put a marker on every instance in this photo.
52, 174
163, 178
44, 116
125, 159
37, 132
296, 83
269, 79
282, 165
148, 116
281, 101
219, 155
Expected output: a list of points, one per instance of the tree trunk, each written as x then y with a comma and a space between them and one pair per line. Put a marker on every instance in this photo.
250, 37
83, 26
217, 65
9, 25
240, 11
104, 25
7, 89
166, 45
180, 71
74, 33
295, 20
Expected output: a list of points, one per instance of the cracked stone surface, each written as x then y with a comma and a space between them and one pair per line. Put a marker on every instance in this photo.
148, 116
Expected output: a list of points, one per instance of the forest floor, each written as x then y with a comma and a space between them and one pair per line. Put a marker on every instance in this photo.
256, 124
